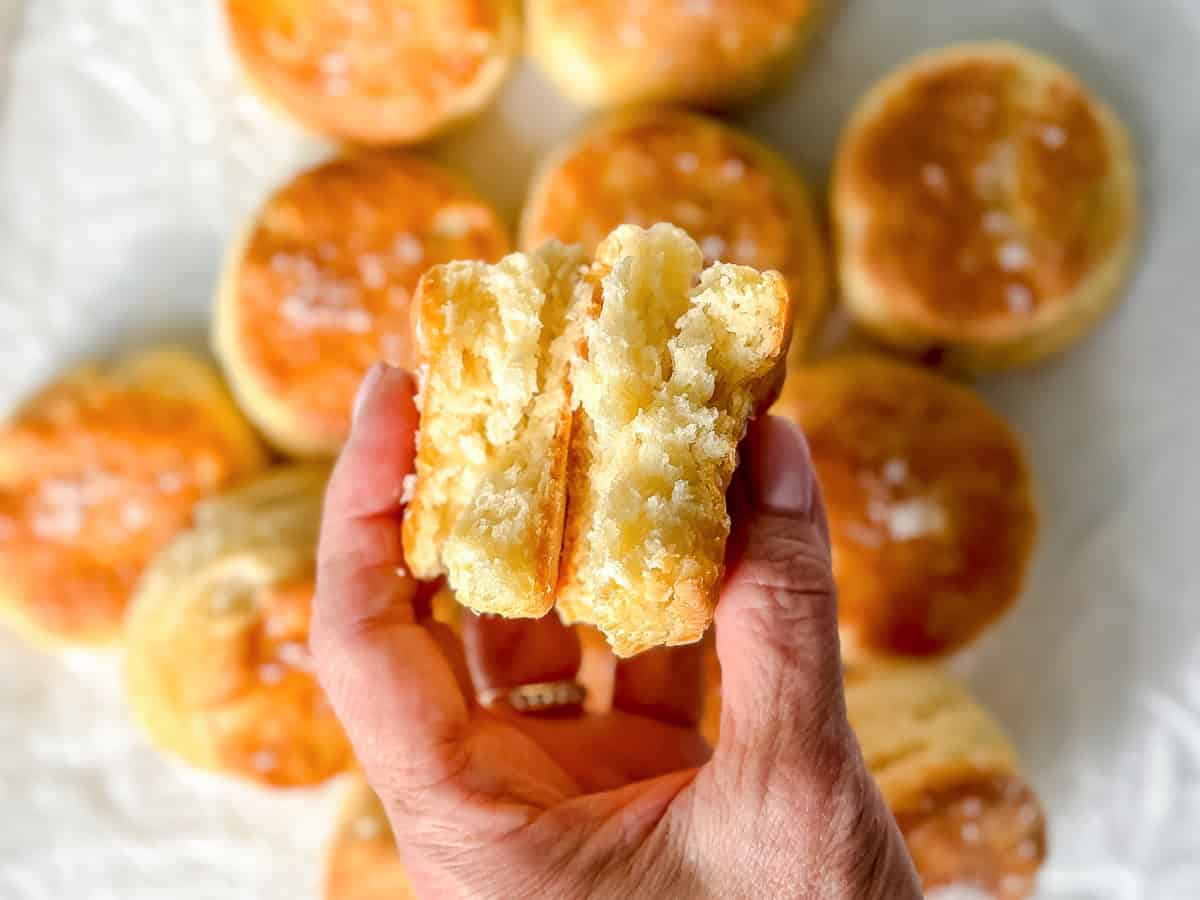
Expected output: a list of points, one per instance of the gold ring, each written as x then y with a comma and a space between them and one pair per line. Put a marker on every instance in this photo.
543, 698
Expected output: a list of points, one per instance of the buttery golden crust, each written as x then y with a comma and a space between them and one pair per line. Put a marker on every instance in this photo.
217, 662
320, 286
946, 771
673, 372
984, 206
929, 500
376, 71
949, 776
741, 201
362, 862
97, 472
706, 52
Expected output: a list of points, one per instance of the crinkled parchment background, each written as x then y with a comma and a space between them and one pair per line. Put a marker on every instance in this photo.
128, 150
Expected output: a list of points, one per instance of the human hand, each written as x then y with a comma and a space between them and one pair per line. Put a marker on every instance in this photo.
491, 803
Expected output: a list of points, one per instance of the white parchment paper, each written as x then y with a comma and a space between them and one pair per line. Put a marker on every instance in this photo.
128, 151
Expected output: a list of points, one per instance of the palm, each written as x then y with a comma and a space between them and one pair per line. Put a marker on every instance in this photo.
492, 804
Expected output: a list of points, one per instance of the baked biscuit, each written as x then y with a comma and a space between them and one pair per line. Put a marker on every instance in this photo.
97, 472
320, 286
985, 207
376, 71
946, 771
218, 668
929, 498
678, 359
950, 777
706, 52
495, 345
362, 862
742, 202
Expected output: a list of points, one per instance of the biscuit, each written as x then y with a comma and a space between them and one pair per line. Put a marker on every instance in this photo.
362, 863
929, 497
320, 286
946, 771
495, 345
950, 777
741, 201
97, 472
703, 52
678, 359
217, 662
984, 206
376, 72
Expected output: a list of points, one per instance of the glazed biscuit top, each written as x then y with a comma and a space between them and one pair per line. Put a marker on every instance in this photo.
363, 863
253, 681
928, 496
414, 57
700, 34
986, 833
325, 281
667, 166
218, 637
987, 189
96, 474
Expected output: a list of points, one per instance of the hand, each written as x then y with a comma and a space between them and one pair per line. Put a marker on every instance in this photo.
488, 803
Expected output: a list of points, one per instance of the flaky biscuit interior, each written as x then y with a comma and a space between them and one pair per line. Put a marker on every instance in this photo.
496, 343
677, 360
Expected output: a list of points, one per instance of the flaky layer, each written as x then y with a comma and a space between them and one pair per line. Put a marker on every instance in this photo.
487, 508
677, 360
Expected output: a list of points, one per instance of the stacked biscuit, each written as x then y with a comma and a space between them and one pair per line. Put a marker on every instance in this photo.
982, 211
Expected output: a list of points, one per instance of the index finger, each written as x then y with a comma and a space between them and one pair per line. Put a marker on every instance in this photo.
388, 680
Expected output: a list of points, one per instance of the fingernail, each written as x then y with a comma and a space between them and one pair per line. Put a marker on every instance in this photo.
370, 380
781, 472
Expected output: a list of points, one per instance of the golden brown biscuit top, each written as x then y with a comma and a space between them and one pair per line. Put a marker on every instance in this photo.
988, 190
736, 199
250, 677
988, 834
363, 864
369, 70
702, 34
95, 477
928, 497
324, 286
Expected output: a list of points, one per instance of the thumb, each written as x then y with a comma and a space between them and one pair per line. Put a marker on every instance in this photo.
777, 641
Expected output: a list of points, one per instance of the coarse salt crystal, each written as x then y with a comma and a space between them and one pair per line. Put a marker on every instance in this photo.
264, 761
712, 246
367, 828
1013, 256
1019, 298
408, 249
895, 470
934, 177
1054, 136
915, 518
687, 162
733, 169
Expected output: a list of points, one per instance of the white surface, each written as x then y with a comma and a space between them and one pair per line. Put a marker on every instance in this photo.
127, 151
